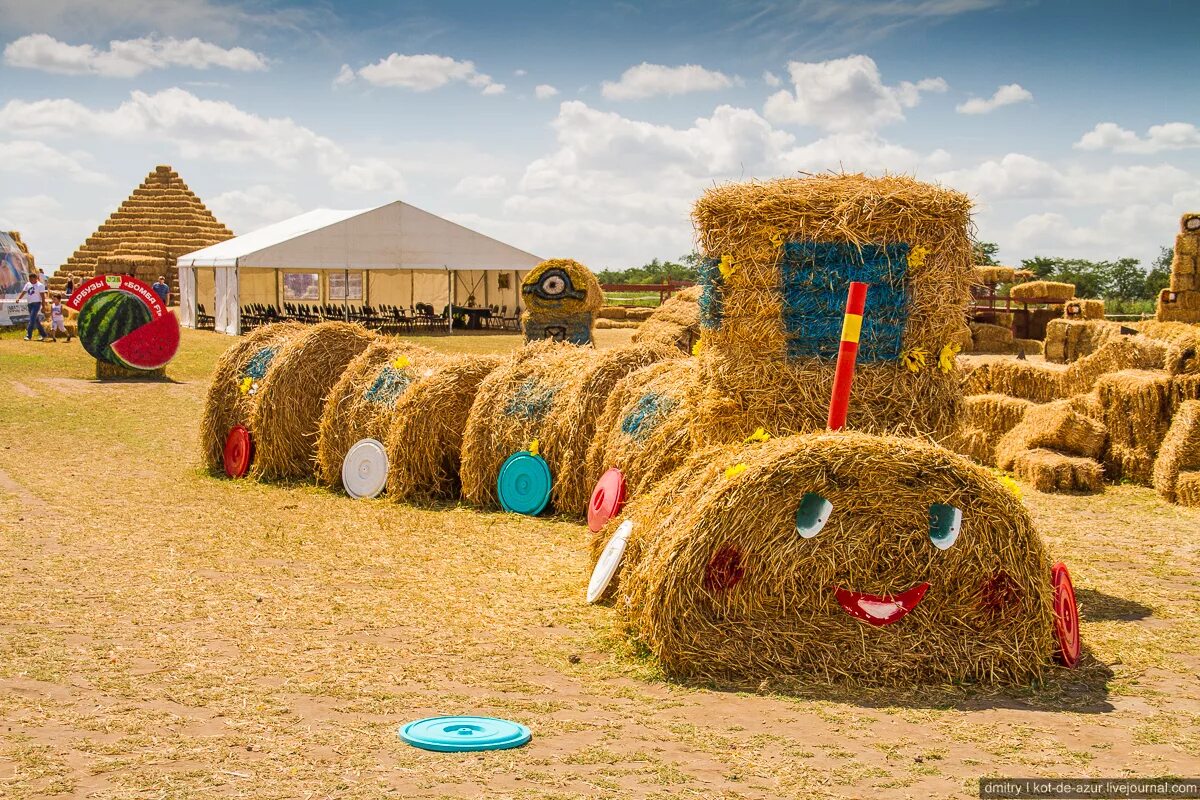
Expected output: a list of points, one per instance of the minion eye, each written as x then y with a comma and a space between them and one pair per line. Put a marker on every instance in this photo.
554, 285
944, 524
812, 515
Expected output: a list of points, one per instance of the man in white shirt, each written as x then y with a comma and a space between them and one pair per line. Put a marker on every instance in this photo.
35, 290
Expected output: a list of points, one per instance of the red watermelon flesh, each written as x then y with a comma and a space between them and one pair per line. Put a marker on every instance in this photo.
150, 346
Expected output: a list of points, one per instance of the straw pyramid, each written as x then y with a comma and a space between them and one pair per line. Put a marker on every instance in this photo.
161, 220
24, 248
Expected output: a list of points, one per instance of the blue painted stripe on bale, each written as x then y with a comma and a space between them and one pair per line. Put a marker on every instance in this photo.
530, 401
388, 386
711, 302
259, 363
647, 415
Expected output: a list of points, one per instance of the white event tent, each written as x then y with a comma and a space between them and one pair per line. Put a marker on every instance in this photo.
395, 254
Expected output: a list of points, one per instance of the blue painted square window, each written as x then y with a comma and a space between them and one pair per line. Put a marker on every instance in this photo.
816, 278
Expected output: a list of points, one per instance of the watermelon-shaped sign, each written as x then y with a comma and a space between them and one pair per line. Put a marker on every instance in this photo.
123, 322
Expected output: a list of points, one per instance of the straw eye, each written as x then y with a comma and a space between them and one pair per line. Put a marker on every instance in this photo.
944, 524
554, 284
812, 515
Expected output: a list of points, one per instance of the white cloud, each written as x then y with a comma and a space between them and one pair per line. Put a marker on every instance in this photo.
206, 128
1168, 136
544, 91
38, 158
126, 58
1004, 96
771, 79
423, 73
844, 94
520, 73
344, 77
651, 80
253, 207
481, 185
222, 20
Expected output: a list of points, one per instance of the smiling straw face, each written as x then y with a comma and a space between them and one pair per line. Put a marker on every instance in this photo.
877, 560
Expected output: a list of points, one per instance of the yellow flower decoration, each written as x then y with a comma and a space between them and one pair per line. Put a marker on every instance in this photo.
244, 386
946, 357
759, 435
533, 447
401, 362
727, 267
776, 239
914, 359
735, 470
916, 256
1009, 484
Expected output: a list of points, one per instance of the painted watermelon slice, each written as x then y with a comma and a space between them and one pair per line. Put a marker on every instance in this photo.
151, 346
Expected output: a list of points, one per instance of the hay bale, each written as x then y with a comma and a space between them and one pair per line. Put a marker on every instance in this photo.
561, 300
676, 321
225, 403
606, 324
643, 430
1049, 471
1040, 383
1053, 426
1137, 413
639, 314
988, 338
1030, 347
990, 275
286, 416
1178, 306
986, 418
1084, 309
513, 406
728, 591
610, 312
1182, 342
424, 442
1179, 452
572, 423
1068, 340
1042, 292
361, 404
779, 258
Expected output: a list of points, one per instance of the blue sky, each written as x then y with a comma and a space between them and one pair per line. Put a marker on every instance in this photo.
586, 129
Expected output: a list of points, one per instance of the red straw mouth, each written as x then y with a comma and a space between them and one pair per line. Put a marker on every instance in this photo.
880, 609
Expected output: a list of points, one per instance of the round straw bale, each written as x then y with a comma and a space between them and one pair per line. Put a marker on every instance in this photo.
643, 430
572, 422
561, 299
226, 404
676, 321
424, 442
287, 414
512, 407
731, 591
361, 404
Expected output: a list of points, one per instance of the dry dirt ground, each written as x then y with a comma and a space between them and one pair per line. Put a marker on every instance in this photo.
167, 634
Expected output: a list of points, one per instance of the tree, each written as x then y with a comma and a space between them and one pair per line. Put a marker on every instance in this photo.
985, 253
1159, 276
1040, 266
1125, 279
655, 271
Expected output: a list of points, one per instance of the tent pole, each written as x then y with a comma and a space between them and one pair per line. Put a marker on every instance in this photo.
346, 294
450, 300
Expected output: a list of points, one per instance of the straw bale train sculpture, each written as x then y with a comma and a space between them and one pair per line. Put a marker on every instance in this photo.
736, 534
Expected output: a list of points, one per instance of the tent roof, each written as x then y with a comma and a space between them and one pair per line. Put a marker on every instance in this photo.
392, 236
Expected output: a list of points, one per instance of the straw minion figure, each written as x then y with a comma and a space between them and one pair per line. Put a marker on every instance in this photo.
561, 300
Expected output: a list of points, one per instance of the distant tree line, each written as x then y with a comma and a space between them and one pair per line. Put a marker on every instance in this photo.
687, 268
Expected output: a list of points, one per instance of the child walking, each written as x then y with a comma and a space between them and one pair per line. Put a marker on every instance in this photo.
57, 323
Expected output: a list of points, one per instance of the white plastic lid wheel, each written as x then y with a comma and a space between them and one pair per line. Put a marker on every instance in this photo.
610, 559
365, 469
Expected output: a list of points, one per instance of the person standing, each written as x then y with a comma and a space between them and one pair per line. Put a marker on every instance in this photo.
70, 286
35, 290
58, 322
161, 289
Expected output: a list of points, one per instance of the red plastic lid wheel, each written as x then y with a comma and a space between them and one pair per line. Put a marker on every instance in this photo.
607, 499
239, 449
1066, 616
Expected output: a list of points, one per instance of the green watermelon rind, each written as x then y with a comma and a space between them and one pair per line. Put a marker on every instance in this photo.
107, 317
145, 366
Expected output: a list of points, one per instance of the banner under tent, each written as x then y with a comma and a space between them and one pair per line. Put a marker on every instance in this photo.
395, 254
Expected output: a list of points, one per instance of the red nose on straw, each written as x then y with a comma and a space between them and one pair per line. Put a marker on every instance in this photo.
843, 375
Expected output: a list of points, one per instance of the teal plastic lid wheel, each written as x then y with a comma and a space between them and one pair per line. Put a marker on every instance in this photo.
524, 484
464, 734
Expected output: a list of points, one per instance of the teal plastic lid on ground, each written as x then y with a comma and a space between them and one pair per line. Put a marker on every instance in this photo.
524, 484
461, 734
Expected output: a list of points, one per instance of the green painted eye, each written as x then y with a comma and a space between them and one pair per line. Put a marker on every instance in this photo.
944, 524
812, 515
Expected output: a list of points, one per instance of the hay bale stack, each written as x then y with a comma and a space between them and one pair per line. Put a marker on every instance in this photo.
988, 338
1068, 340
572, 423
729, 591
424, 443
1084, 309
362, 402
779, 259
644, 429
990, 275
286, 416
610, 312
607, 324
1179, 457
235, 386
676, 322
1182, 342
1043, 292
1137, 413
986, 418
513, 406
1053, 426
561, 300
1050, 471
1040, 383
1175, 306
1180, 301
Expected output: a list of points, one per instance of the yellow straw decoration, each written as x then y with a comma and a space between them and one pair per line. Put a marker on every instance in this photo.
916, 256
946, 357
533, 447
735, 470
914, 359
759, 435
